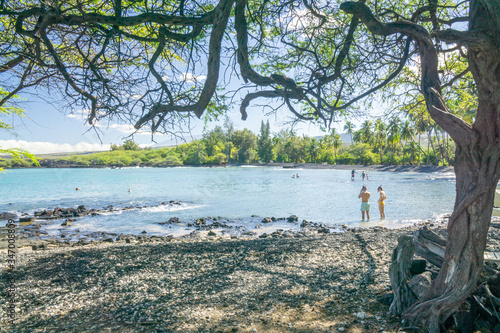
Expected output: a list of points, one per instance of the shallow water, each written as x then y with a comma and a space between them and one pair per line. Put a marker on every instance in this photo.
235, 193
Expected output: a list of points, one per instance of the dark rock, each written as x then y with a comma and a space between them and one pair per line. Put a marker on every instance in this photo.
418, 266
267, 220
264, 235
108, 240
304, 224
127, 240
144, 232
201, 222
67, 223
323, 231
28, 219
211, 233
292, 218
8, 216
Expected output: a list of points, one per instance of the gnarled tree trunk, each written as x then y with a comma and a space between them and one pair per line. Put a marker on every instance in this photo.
463, 260
477, 165
477, 169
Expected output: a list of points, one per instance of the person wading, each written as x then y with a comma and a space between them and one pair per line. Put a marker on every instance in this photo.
365, 206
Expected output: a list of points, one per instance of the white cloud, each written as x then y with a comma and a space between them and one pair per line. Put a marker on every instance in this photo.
190, 77
78, 114
127, 129
50, 148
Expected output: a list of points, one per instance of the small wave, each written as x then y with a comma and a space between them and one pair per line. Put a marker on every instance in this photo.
170, 208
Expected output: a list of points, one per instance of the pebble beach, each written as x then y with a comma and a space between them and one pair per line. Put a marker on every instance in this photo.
287, 282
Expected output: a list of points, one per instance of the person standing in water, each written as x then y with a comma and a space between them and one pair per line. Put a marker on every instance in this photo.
365, 206
352, 174
381, 202
363, 175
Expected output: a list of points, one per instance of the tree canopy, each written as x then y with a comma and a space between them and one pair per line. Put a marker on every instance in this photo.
157, 63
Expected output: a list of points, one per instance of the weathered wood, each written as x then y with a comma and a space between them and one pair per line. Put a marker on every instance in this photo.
399, 273
420, 283
492, 256
429, 245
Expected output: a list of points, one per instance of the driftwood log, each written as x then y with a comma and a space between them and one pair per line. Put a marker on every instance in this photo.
429, 245
400, 275
409, 282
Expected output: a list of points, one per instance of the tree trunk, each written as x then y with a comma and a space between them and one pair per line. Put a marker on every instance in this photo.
428, 152
468, 228
477, 164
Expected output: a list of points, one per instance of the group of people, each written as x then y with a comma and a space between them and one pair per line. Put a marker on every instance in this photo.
363, 175
365, 206
365, 195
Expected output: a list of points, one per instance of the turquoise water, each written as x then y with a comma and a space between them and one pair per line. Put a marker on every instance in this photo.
325, 196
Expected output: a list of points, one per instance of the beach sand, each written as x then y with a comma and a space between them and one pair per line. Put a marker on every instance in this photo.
300, 282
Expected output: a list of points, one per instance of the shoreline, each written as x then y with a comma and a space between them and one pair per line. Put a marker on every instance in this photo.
333, 282
375, 167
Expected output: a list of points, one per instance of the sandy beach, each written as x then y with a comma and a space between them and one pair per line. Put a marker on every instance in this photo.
287, 282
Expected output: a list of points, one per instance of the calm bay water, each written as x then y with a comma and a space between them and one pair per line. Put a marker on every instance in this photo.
325, 196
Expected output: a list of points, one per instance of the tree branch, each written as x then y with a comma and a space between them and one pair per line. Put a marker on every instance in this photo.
458, 129
12, 63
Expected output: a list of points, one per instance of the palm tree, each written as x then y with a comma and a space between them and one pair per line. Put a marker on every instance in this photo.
349, 128
380, 137
337, 143
393, 136
407, 133
367, 133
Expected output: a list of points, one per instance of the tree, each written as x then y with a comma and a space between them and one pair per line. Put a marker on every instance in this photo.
407, 133
246, 143
214, 141
349, 129
6, 109
265, 143
128, 144
477, 166
318, 61
379, 137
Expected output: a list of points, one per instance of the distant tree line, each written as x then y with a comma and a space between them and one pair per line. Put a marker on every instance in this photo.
375, 142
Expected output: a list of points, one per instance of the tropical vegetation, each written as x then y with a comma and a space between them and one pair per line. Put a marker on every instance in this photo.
375, 142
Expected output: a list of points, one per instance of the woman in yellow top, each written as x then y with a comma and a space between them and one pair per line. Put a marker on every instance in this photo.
381, 203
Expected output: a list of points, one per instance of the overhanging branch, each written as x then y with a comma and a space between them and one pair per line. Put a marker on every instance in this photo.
458, 129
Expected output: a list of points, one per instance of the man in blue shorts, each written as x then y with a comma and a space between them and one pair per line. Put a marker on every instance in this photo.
365, 206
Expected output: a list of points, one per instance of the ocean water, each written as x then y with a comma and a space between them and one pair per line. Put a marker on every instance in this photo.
234, 193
